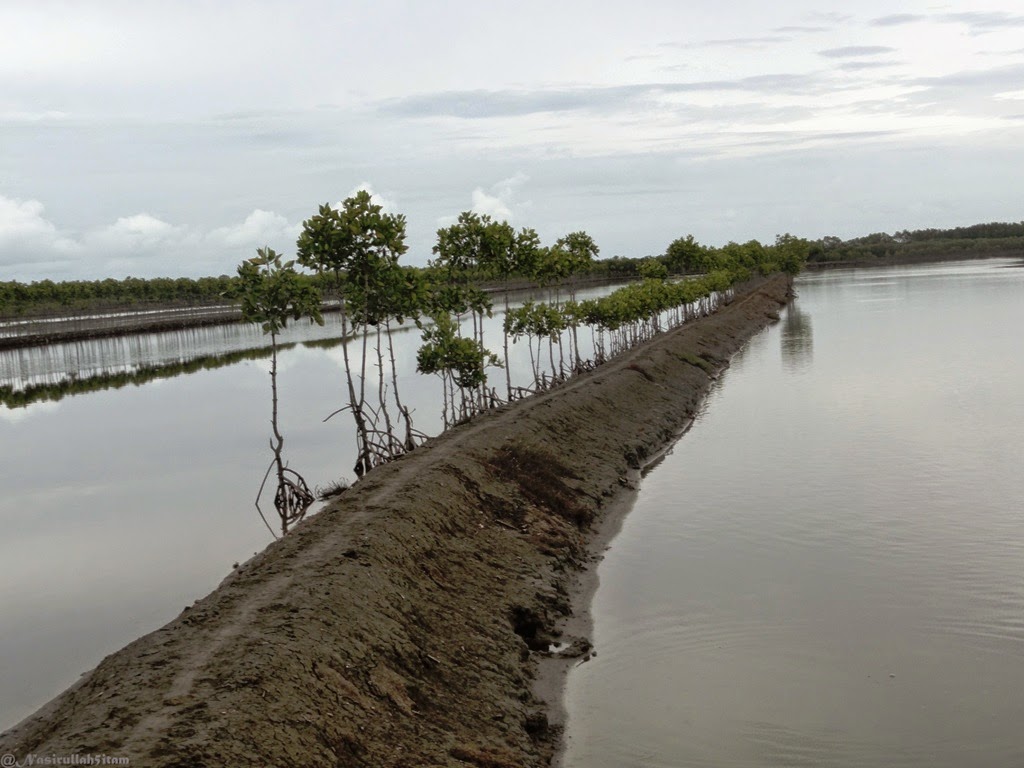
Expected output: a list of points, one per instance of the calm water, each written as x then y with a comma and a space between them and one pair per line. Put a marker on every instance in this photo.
121, 506
828, 570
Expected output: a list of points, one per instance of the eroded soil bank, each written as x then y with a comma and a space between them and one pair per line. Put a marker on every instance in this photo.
403, 625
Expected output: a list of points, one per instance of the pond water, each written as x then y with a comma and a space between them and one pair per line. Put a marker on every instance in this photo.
129, 478
828, 569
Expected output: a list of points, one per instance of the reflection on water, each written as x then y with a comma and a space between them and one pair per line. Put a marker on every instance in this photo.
149, 353
13, 327
827, 568
64, 386
126, 502
51, 371
797, 338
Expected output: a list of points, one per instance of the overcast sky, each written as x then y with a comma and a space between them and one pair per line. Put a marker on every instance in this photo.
174, 138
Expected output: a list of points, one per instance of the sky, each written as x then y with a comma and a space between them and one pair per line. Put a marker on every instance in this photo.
173, 139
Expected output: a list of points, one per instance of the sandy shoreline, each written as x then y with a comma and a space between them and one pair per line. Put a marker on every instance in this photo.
406, 624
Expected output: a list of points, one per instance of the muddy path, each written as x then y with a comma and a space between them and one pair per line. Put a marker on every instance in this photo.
403, 625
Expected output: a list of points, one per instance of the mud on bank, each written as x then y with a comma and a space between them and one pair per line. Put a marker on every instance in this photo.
402, 625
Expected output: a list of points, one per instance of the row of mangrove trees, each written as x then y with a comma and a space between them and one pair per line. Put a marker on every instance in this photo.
352, 254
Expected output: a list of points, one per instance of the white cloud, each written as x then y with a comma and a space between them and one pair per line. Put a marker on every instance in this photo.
491, 205
141, 244
23, 413
141, 226
376, 197
101, 118
26, 232
20, 218
135, 235
506, 188
498, 203
260, 228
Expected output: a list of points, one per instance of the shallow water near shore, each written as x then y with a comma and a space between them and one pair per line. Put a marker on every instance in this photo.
827, 569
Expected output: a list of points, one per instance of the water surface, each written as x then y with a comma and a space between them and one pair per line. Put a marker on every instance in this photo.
129, 480
828, 570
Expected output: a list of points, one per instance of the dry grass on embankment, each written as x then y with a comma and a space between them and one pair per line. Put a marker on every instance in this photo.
401, 626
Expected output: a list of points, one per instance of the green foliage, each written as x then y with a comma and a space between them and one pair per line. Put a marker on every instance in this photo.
356, 248
359, 245
538, 320
446, 353
581, 248
460, 247
975, 241
618, 267
271, 292
742, 260
477, 246
571, 255
328, 241
686, 255
791, 253
652, 269
991, 230
526, 252
47, 296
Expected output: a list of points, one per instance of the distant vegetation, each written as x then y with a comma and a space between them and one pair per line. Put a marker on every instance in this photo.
685, 255
354, 253
351, 256
976, 241
47, 296
352, 260
355, 249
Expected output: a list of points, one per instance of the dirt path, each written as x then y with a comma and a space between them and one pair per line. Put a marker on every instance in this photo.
402, 626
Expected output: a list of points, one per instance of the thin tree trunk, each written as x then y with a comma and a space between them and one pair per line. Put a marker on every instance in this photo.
444, 395
381, 396
277, 444
508, 372
409, 441
483, 384
362, 460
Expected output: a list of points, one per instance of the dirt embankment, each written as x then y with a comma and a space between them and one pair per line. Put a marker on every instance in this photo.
61, 328
75, 329
402, 626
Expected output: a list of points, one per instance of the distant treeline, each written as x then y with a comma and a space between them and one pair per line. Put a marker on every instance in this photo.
45, 296
975, 241
684, 255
